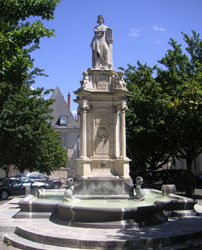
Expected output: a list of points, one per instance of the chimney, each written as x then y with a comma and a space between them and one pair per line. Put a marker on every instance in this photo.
68, 100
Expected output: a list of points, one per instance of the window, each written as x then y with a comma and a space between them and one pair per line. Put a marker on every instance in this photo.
63, 120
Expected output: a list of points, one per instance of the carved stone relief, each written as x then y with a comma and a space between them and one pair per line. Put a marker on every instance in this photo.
102, 140
119, 81
102, 132
102, 83
85, 82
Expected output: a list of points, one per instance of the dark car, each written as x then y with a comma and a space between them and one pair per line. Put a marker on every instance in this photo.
53, 183
9, 187
17, 186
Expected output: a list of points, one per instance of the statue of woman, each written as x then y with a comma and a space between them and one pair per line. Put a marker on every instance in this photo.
100, 46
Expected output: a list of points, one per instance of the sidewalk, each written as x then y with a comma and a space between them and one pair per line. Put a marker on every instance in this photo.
4, 247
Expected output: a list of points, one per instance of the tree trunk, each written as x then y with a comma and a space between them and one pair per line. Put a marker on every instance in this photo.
189, 164
189, 179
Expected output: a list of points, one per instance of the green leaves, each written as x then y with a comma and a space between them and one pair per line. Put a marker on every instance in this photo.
13, 11
146, 118
165, 109
26, 138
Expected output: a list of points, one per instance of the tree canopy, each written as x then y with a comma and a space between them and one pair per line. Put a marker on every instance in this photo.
26, 138
164, 119
147, 133
183, 75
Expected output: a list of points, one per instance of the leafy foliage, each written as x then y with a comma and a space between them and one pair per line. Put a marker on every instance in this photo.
147, 134
165, 110
26, 138
184, 78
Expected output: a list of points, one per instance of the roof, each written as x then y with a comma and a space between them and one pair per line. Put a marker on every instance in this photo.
60, 108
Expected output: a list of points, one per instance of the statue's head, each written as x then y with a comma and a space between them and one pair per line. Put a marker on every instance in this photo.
70, 181
100, 19
121, 73
85, 73
139, 180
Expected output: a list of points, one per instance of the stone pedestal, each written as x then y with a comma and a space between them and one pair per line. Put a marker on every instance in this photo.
102, 106
103, 187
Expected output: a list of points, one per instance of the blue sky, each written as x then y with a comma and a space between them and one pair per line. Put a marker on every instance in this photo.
141, 31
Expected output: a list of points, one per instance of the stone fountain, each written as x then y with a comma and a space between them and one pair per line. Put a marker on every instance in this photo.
102, 195
102, 166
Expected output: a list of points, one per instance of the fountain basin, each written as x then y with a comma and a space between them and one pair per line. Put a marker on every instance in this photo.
108, 217
108, 213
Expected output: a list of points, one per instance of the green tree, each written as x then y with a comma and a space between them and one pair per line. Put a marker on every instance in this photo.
26, 138
146, 118
181, 78
164, 119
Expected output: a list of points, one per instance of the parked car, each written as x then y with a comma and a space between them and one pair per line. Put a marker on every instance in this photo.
27, 182
8, 188
53, 183
17, 186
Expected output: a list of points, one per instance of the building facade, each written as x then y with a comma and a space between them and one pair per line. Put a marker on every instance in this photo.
68, 127
196, 166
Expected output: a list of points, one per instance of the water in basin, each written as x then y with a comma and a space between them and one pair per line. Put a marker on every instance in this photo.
150, 198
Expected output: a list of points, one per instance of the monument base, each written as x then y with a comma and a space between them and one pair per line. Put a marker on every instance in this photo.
106, 168
102, 187
101, 178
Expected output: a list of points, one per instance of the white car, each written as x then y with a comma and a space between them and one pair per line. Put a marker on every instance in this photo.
29, 183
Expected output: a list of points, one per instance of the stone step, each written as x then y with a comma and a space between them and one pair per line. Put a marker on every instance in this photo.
189, 245
178, 231
16, 241
22, 243
175, 232
33, 215
72, 239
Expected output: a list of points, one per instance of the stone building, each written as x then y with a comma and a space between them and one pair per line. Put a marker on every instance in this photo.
196, 166
65, 123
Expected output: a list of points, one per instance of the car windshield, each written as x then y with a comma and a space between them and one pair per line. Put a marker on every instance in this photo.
25, 180
37, 176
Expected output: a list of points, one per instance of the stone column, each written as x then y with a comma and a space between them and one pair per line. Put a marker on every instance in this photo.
123, 133
116, 112
83, 139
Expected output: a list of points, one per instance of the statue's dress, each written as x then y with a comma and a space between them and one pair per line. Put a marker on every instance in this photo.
100, 47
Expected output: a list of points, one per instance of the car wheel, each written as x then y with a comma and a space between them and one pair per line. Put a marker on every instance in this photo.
56, 185
4, 195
